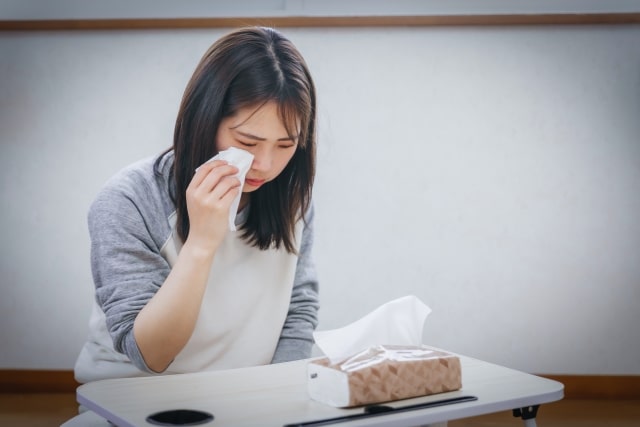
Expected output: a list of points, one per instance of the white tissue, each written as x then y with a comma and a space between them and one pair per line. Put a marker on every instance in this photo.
398, 322
242, 160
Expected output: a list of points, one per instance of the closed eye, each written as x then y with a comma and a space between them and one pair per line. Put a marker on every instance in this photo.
247, 144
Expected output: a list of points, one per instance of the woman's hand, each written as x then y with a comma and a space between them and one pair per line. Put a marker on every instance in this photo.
209, 197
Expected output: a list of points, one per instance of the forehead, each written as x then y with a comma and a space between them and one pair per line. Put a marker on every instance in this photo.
269, 114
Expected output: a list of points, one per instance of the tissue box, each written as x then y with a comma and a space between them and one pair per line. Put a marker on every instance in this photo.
383, 373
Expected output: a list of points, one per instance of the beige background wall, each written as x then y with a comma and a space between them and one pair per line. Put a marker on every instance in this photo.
493, 172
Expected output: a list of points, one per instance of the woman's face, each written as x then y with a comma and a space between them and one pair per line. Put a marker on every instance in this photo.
260, 132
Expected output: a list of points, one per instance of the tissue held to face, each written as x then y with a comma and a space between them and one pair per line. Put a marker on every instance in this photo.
260, 131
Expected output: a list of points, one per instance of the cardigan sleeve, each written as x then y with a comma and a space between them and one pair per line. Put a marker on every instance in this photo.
126, 263
296, 339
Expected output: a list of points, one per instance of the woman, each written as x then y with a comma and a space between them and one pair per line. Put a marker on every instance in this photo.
176, 291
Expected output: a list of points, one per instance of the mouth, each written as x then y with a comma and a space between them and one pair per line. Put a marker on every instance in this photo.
254, 182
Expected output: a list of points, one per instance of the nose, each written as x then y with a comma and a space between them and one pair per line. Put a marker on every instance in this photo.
262, 160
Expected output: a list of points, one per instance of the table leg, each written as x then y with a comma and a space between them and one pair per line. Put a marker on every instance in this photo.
527, 414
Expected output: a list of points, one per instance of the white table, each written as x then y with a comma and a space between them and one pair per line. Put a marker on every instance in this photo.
276, 395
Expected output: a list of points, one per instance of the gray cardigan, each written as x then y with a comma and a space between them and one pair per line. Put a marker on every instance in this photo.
128, 223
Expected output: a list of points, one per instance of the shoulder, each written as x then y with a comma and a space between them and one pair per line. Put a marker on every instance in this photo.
136, 195
138, 183
310, 212
306, 240
133, 178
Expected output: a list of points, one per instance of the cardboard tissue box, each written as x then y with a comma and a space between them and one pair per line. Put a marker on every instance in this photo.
380, 358
383, 373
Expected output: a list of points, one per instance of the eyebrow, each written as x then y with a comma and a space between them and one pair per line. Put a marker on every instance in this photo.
292, 138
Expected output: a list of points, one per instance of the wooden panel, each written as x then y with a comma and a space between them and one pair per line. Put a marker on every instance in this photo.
322, 21
37, 381
599, 386
576, 386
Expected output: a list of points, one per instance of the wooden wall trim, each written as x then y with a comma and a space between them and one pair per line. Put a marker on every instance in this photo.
576, 386
599, 386
37, 381
322, 21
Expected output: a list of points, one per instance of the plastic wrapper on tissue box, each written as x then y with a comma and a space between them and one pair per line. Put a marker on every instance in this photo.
383, 373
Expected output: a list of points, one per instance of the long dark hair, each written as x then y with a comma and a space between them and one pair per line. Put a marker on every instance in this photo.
250, 67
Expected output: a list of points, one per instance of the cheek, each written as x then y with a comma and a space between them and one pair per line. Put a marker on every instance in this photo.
221, 145
284, 159
222, 141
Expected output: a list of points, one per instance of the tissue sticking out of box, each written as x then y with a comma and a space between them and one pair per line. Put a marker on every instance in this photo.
242, 160
380, 358
398, 322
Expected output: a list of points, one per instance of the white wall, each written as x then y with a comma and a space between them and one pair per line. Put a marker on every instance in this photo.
98, 9
492, 172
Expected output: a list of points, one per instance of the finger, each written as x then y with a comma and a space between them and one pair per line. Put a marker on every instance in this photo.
228, 197
203, 170
214, 175
224, 186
